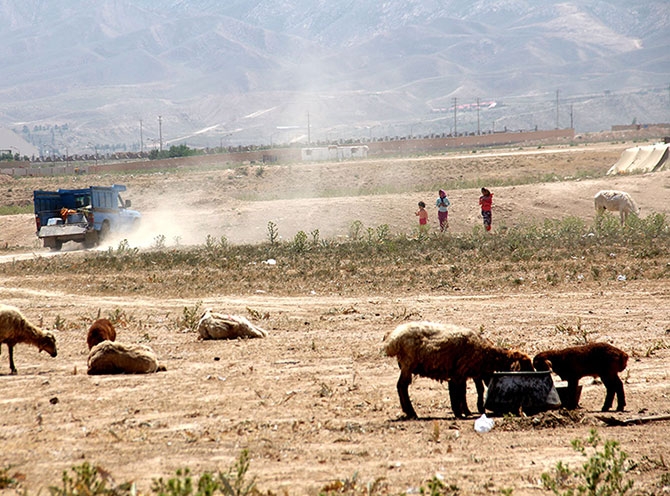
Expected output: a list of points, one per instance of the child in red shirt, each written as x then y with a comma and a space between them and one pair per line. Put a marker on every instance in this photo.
486, 201
423, 216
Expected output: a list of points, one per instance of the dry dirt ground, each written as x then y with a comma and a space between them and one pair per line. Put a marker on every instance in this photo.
316, 400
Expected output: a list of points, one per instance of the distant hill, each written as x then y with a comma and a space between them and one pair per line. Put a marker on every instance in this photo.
98, 74
12, 143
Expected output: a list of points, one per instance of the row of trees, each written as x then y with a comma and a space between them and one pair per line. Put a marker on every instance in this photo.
8, 156
174, 152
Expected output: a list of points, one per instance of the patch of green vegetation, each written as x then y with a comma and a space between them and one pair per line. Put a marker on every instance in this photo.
16, 209
604, 473
88, 480
553, 253
448, 184
7, 479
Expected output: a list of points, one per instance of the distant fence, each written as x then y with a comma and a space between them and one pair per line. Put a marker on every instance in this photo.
393, 146
403, 146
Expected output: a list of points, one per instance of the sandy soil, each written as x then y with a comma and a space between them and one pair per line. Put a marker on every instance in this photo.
316, 400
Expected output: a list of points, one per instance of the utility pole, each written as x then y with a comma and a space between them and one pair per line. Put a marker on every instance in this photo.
478, 116
141, 139
455, 131
160, 133
309, 131
571, 118
556, 109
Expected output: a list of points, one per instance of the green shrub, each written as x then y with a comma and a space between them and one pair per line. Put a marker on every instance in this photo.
603, 474
190, 317
87, 481
231, 483
7, 480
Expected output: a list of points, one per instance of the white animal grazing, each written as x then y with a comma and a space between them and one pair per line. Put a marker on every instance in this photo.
615, 201
15, 328
219, 326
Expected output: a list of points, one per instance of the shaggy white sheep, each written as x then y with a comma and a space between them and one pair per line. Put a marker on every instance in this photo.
451, 353
15, 328
109, 357
615, 201
219, 326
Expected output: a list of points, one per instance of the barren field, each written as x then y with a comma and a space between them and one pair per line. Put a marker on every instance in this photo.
316, 401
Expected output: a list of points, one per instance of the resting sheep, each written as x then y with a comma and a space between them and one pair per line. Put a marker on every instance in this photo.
218, 326
101, 330
615, 201
593, 359
451, 353
109, 357
15, 328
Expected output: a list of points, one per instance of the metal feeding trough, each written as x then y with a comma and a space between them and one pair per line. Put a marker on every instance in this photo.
513, 392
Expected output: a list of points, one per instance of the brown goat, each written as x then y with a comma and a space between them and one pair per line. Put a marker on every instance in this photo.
15, 328
593, 359
450, 353
101, 330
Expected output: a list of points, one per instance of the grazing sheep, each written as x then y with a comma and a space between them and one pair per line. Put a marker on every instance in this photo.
615, 201
15, 328
593, 359
109, 357
451, 353
218, 326
101, 330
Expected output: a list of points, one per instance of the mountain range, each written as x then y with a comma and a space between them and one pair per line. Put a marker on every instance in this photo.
136, 74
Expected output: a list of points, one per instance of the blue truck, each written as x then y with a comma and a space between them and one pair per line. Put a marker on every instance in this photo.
85, 215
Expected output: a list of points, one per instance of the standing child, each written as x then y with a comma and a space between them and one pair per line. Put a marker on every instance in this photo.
442, 204
423, 217
486, 201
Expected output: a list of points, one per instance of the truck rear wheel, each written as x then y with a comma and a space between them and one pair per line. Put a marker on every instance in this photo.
91, 239
104, 231
56, 245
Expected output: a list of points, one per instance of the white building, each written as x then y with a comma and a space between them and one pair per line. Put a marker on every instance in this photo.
334, 152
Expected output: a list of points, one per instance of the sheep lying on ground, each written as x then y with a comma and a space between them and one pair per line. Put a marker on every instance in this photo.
109, 357
593, 359
101, 330
15, 328
218, 326
615, 201
448, 353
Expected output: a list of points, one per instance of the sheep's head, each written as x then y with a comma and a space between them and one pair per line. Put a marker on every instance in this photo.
541, 363
520, 362
48, 343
